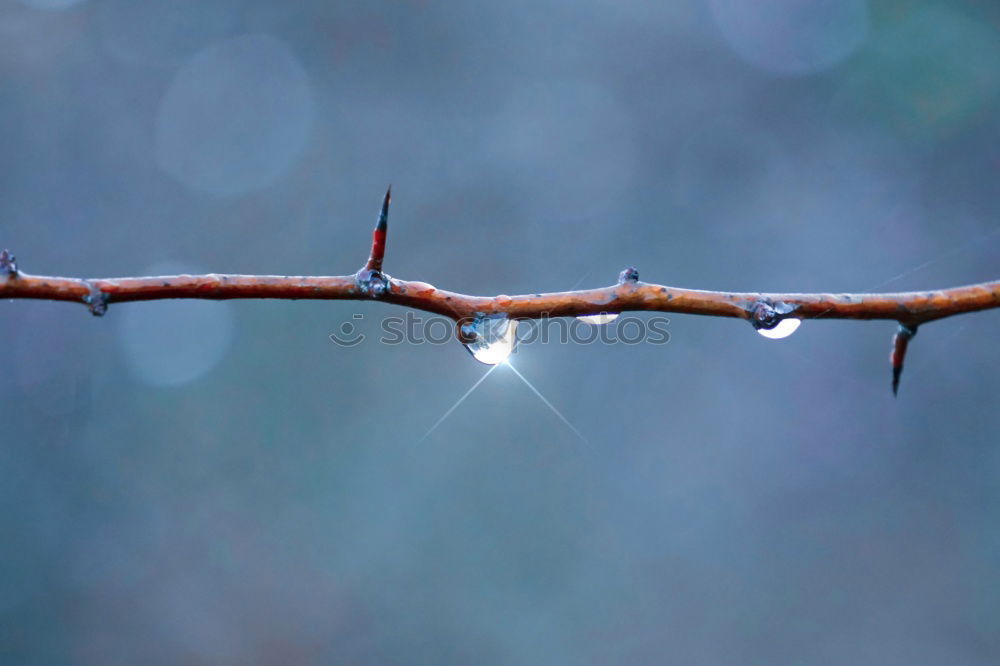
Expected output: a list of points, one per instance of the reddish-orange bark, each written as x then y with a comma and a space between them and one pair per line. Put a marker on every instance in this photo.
910, 308
765, 311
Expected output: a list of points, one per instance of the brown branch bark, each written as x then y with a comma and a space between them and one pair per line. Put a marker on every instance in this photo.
909, 308
762, 310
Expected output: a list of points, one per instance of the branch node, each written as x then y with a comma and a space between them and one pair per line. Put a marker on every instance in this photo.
8, 263
630, 274
371, 282
96, 300
900, 342
765, 314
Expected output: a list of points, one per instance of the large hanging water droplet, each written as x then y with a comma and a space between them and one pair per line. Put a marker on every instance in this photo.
784, 328
493, 338
598, 319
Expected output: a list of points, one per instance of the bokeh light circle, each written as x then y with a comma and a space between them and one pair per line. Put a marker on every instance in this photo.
173, 342
236, 116
792, 37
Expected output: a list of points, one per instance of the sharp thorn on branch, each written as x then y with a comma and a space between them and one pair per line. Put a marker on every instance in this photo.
383, 216
900, 342
371, 279
379, 235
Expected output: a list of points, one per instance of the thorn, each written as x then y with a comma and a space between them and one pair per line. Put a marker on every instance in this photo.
371, 279
900, 341
383, 216
378, 236
630, 274
8, 262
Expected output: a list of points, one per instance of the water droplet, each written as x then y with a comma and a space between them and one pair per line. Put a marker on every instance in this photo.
784, 328
495, 338
598, 319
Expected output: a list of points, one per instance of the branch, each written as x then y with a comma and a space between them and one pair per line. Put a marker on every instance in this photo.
762, 310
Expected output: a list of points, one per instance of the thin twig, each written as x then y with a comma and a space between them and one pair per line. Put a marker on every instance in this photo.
910, 308
762, 310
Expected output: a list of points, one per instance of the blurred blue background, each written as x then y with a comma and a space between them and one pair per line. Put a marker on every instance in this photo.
193, 482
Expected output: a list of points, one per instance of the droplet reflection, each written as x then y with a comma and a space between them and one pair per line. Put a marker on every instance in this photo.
784, 328
598, 319
495, 339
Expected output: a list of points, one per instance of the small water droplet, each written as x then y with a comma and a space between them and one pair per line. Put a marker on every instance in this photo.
495, 338
598, 319
784, 328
